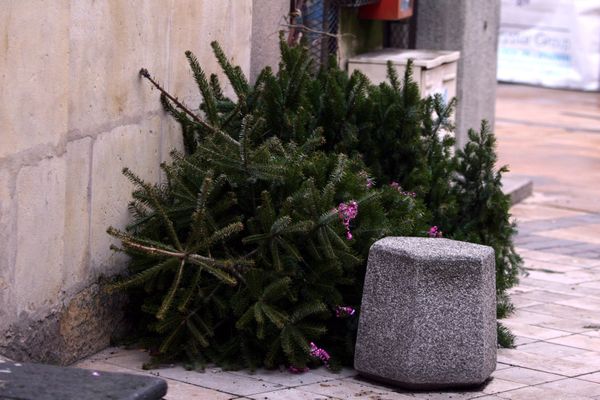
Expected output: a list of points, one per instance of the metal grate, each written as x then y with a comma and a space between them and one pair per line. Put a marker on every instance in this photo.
402, 34
321, 16
397, 34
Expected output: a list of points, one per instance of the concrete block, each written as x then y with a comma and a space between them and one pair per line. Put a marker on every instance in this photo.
77, 210
127, 35
40, 197
268, 19
227, 21
428, 315
132, 146
471, 27
34, 73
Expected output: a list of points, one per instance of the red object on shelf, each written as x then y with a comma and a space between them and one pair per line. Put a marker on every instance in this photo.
387, 10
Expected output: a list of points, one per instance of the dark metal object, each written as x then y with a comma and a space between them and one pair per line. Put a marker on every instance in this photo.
47, 382
402, 34
354, 3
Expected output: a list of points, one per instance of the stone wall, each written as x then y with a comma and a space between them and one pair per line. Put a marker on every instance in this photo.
73, 113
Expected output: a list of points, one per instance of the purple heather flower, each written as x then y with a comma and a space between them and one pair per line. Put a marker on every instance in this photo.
319, 353
347, 212
434, 232
342, 312
396, 185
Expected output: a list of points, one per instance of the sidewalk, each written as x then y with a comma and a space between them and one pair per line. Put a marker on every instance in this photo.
552, 137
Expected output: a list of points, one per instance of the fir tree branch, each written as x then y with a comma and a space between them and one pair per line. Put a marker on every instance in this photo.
144, 73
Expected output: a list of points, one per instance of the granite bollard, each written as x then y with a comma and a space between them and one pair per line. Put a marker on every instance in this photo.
428, 315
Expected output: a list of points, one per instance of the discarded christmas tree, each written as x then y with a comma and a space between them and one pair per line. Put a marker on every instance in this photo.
253, 250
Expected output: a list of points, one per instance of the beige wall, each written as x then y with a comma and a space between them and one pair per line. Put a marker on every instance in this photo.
73, 113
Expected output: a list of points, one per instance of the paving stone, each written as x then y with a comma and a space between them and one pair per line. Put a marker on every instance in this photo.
546, 296
573, 277
574, 386
285, 378
345, 389
548, 244
528, 212
536, 393
519, 301
428, 305
548, 266
579, 233
46, 382
565, 367
531, 331
498, 385
593, 377
585, 303
559, 310
579, 341
289, 394
550, 349
221, 381
525, 376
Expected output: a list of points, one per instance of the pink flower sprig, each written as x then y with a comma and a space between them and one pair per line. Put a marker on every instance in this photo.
396, 185
343, 312
435, 232
319, 353
347, 212
370, 181
297, 370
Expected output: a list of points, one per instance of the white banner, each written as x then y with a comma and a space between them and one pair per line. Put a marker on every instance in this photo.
553, 43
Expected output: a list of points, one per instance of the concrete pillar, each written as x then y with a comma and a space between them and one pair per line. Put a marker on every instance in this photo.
470, 26
268, 18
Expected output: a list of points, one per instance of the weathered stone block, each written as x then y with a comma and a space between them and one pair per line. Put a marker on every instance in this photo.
34, 74
83, 326
136, 147
227, 21
40, 197
77, 214
428, 316
7, 250
104, 66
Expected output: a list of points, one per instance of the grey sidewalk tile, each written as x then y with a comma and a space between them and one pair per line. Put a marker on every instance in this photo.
549, 244
579, 341
558, 367
285, 378
593, 255
550, 349
558, 310
221, 381
558, 223
499, 385
537, 393
351, 389
526, 376
593, 377
585, 303
546, 296
526, 330
574, 386
290, 394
